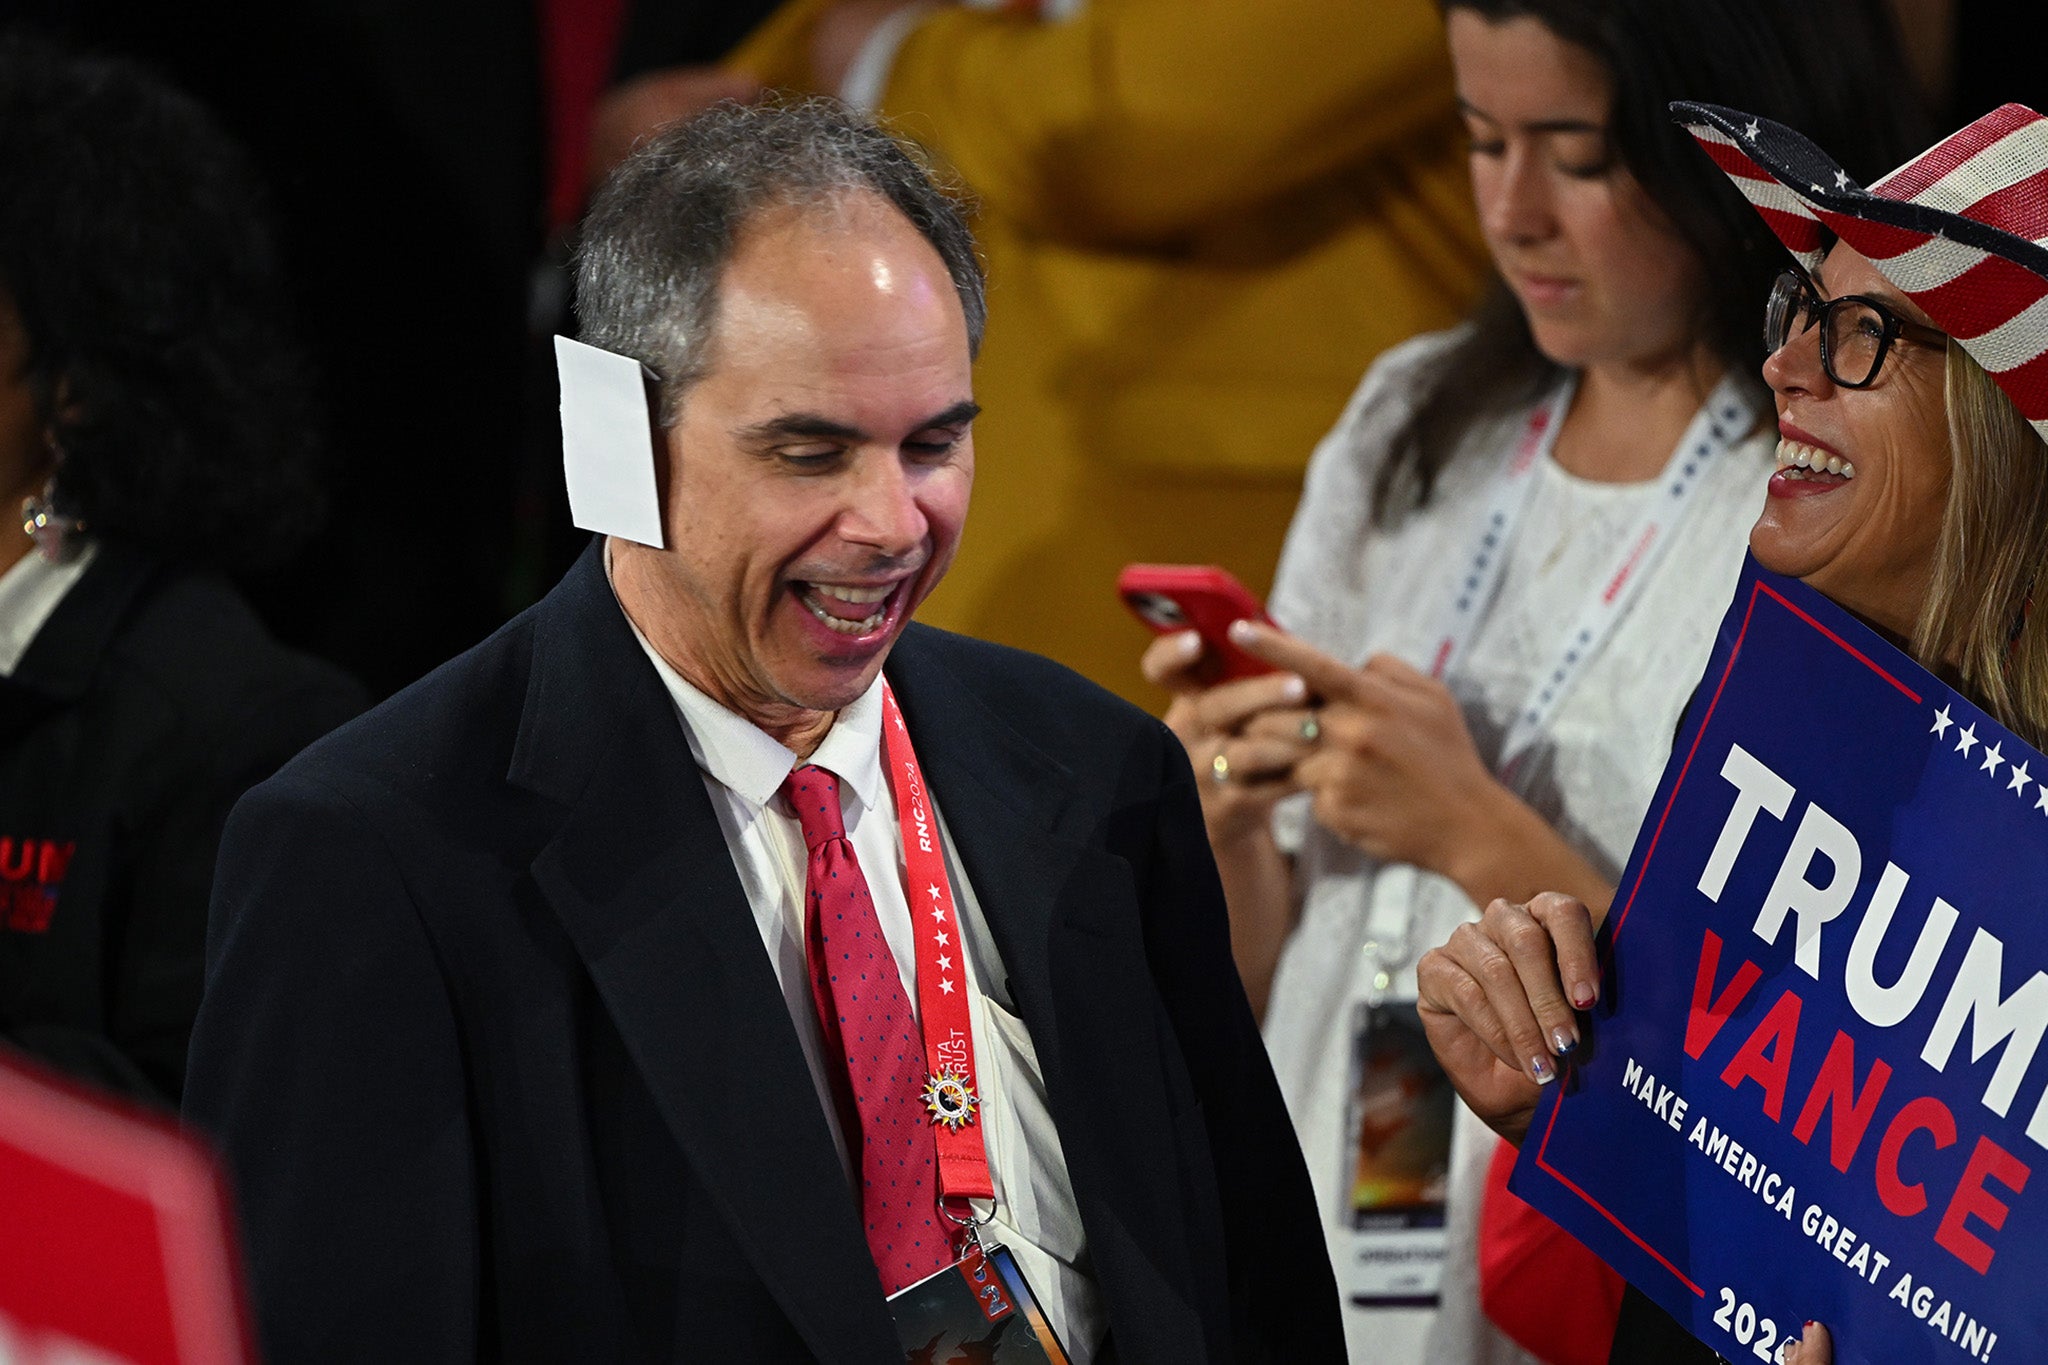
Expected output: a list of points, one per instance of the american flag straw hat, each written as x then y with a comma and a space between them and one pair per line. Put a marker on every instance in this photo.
1961, 229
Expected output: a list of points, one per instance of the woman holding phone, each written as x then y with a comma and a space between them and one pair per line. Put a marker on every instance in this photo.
1502, 580
1929, 520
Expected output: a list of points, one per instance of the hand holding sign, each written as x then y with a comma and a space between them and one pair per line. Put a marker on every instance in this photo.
1498, 1003
1816, 1347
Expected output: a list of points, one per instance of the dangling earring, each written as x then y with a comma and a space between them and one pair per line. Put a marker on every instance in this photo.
53, 532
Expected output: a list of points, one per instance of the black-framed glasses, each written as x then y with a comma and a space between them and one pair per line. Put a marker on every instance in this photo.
1856, 332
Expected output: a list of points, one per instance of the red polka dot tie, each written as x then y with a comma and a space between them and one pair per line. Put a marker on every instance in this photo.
867, 1024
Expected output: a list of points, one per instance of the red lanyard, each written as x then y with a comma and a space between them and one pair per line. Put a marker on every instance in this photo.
952, 1096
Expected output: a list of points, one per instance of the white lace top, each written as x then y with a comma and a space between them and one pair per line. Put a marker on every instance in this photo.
1354, 590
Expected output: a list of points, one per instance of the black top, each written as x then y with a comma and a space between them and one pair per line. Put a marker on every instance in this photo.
147, 703
1647, 1335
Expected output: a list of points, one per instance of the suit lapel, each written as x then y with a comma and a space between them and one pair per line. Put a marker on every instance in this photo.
1002, 798
641, 878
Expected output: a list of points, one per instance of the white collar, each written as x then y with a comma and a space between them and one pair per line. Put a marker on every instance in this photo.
30, 592
753, 764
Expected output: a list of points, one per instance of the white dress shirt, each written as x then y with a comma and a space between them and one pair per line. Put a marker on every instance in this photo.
743, 770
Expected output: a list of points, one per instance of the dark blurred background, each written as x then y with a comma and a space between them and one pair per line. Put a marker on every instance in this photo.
425, 160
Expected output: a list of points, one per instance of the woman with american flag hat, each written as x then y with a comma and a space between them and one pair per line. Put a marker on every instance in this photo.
1909, 364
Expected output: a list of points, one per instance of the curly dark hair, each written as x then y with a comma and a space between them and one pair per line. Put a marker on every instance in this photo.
135, 248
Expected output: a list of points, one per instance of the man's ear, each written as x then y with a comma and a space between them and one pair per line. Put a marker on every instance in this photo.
666, 451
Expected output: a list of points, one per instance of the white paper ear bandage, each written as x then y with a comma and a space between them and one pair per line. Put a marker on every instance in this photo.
608, 443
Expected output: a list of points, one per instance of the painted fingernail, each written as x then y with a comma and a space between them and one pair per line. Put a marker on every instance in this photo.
1562, 1041
1539, 1067
1584, 996
1243, 632
1294, 689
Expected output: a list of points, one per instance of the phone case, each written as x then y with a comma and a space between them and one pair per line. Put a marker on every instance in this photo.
1202, 598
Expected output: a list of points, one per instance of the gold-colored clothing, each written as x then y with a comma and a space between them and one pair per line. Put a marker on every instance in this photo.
1202, 220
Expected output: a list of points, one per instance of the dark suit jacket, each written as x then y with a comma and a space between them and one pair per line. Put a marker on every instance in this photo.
502, 1072
146, 705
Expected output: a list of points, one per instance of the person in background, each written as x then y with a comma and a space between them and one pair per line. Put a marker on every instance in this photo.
1929, 521
399, 148
1502, 578
153, 432
1971, 55
664, 63
1203, 220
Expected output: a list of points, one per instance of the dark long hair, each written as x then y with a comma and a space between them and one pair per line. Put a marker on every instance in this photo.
133, 245
1830, 68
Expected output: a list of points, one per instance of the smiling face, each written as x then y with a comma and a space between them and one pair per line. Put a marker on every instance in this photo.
1865, 535
818, 476
1600, 274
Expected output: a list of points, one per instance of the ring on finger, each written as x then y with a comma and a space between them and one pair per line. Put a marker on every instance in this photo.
1311, 728
1219, 768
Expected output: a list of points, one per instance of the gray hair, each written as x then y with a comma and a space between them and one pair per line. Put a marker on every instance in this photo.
658, 235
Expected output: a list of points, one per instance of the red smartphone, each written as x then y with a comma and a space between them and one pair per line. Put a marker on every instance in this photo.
1201, 598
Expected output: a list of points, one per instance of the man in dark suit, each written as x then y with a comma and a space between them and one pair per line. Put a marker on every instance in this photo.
513, 1037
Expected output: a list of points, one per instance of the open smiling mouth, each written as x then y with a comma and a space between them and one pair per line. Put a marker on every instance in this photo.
1803, 463
836, 605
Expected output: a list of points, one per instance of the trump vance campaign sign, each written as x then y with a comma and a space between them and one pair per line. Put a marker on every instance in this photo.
1814, 1086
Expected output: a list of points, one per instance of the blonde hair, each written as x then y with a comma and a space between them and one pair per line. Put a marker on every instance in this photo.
1977, 621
